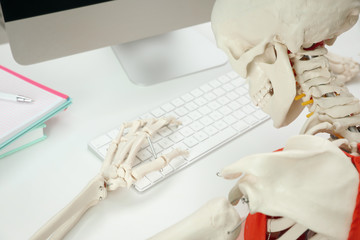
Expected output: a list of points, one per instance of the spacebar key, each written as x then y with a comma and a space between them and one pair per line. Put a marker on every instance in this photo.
210, 143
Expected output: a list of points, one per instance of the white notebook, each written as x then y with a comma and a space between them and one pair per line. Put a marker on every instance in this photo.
17, 118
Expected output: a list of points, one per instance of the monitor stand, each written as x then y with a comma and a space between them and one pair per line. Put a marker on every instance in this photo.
168, 56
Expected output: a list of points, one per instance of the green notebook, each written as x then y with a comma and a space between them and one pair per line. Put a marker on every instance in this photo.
28, 139
19, 118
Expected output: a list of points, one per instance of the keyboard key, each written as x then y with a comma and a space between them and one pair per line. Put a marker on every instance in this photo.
154, 176
186, 131
214, 105
157, 148
232, 95
166, 170
230, 119
210, 143
216, 115
197, 92
239, 114
225, 110
215, 83
185, 120
177, 102
181, 111
146, 116
144, 155
187, 97
176, 137
244, 100
248, 109
158, 112
100, 141
251, 120
206, 88
260, 114
238, 82
241, 91
200, 136
228, 87
156, 137
219, 92
223, 100
210, 96
191, 106
224, 79
220, 125
206, 121
113, 133
165, 143
165, 131
210, 130
178, 162
194, 115
234, 105
204, 110
196, 126
200, 101
190, 141
142, 184
168, 107
240, 126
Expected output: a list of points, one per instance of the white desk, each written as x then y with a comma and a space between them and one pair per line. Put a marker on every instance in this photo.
37, 182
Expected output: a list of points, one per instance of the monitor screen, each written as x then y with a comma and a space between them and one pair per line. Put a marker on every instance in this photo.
33, 8
39, 30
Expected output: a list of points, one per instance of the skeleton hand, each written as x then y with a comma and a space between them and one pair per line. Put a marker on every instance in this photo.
311, 175
117, 171
117, 168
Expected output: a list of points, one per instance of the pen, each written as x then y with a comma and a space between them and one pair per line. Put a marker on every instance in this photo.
14, 97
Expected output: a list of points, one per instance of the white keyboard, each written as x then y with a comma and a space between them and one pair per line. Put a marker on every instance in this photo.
211, 115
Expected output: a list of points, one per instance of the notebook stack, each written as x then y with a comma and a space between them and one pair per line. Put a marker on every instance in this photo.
25, 106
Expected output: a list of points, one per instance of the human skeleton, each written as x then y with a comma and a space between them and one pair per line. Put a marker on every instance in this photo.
279, 46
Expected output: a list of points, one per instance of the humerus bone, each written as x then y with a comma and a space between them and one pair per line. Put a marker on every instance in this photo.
311, 182
116, 172
215, 220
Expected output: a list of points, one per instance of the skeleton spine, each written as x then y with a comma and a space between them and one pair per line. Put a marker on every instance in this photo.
333, 109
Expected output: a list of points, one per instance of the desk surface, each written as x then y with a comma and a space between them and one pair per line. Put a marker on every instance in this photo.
37, 182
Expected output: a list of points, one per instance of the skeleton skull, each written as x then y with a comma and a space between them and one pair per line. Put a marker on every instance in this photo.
257, 35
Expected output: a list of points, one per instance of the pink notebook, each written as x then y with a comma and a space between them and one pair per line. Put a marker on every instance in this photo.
17, 118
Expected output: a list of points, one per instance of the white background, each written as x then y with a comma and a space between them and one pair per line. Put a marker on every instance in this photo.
37, 182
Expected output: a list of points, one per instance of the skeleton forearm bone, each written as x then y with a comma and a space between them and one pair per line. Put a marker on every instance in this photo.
61, 223
115, 172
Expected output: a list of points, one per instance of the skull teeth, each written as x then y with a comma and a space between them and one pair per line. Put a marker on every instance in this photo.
262, 97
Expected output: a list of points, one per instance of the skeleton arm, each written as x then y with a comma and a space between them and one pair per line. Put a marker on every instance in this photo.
311, 184
116, 172
311, 175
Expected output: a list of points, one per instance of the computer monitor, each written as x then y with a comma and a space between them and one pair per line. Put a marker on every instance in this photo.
40, 30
